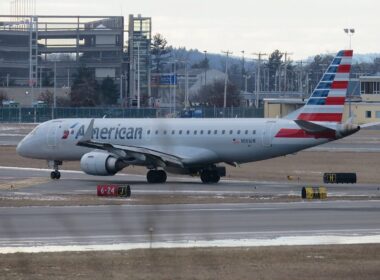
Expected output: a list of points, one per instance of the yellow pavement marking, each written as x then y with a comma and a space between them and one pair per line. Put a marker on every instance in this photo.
19, 184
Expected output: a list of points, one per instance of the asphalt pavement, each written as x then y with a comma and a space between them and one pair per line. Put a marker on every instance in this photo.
175, 223
36, 181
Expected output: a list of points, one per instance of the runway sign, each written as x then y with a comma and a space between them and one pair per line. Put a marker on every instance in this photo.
114, 191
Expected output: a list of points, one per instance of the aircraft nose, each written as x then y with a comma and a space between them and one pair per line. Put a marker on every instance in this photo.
24, 148
20, 149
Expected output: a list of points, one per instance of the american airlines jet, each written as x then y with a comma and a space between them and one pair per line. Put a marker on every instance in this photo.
194, 146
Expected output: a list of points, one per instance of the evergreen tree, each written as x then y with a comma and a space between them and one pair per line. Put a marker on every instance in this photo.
85, 89
109, 91
159, 49
274, 63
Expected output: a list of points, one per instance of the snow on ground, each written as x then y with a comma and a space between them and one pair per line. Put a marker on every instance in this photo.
279, 241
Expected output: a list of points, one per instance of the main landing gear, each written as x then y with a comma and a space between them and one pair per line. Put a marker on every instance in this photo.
55, 175
210, 176
156, 176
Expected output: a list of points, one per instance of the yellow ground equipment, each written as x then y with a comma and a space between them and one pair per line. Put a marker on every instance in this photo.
314, 193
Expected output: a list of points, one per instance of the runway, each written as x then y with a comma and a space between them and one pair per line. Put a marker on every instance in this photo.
22, 227
53, 226
75, 182
336, 221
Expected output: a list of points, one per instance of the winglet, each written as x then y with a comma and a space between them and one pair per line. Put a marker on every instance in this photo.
88, 134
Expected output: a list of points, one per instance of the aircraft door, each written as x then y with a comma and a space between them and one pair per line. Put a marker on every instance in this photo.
268, 133
52, 136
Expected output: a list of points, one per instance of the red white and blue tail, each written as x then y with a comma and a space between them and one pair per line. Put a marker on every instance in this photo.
326, 104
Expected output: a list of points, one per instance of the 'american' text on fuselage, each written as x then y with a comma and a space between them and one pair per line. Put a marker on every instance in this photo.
107, 133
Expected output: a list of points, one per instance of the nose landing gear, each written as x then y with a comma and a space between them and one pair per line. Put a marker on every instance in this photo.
55, 175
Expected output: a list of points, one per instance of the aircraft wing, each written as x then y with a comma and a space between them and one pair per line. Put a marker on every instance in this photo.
127, 151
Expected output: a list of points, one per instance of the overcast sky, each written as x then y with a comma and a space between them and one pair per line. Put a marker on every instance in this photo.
302, 27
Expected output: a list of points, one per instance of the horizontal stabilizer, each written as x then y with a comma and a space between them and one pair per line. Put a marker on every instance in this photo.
312, 128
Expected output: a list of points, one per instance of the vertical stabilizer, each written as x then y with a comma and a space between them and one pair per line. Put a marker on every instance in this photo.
326, 104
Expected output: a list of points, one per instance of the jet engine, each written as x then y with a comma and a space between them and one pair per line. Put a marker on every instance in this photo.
101, 164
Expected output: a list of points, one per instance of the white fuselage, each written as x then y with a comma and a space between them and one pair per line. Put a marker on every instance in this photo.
197, 141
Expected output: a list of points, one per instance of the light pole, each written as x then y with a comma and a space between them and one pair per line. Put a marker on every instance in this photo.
55, 89
286, 54
205, 52
350, 32
186, 87
259, 55
175, 88
242, 67
122, 76
246, 77
187, 84
227, 53
138, 75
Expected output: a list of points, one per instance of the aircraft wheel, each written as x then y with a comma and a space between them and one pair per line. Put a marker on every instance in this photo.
55, 175
162, 176
210, 176
129, 191
156, 176
215, 178
205, 177
150, 176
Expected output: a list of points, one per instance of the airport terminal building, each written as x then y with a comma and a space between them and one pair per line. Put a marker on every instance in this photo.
363, 102
42, 51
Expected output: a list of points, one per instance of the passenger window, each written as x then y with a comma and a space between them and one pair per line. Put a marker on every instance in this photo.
195, 132
165, 132
215, 132
209, 132
156, 132
148, 132
180, 132
246, 132
254, 132
238, 132
188, 132
231, 131
201, 131
173, 132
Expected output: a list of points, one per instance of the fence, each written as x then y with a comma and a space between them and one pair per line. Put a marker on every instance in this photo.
38, 115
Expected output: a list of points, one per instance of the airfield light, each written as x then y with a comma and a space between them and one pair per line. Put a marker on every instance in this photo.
350, 32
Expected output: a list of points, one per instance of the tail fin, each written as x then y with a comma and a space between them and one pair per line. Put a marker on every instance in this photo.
326, 104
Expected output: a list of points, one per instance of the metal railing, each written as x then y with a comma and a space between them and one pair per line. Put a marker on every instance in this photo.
38, 115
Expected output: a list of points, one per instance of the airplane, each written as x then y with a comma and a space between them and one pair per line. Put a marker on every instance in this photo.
194, 146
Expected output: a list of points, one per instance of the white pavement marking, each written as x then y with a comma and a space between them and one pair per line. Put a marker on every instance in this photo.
280, 241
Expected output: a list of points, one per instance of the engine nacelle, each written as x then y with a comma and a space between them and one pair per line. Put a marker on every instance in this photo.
101, 164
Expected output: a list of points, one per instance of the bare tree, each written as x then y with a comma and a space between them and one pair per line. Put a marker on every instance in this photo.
213, 95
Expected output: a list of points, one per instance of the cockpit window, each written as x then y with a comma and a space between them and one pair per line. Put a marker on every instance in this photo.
34, 130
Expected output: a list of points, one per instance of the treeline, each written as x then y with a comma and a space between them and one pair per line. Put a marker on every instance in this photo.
86, 91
